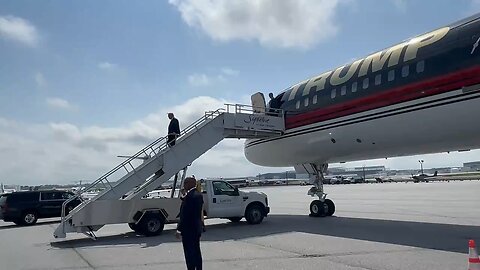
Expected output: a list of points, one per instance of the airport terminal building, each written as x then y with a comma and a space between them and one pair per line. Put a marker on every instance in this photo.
471, 166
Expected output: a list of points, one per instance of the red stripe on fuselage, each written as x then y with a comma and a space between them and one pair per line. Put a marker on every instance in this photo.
393, 96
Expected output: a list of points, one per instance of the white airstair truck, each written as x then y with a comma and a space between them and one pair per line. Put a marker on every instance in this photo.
123, 201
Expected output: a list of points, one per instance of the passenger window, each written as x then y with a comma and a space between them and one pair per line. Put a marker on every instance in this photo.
366, 81
334, 93
378, 79
314, 101
354, 87
343, 90
66, 195
48, 196
297, 105
223, 188
421, 66
21, 196
405, 71
305, 102
391, 75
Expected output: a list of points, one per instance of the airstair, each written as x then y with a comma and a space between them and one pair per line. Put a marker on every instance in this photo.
131, 180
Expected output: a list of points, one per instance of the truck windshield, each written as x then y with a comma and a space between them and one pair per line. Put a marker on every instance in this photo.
223, 188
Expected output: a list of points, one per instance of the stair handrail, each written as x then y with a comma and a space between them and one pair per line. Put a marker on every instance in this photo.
161, 147
242, 108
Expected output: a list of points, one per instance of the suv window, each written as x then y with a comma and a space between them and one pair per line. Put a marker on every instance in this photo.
66, 195
51, 196
22, 197
223, 188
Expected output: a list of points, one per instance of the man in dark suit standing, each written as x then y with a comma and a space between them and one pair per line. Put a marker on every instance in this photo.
190, 226
173, 130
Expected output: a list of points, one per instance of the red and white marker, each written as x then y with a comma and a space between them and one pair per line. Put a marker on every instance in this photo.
473, 259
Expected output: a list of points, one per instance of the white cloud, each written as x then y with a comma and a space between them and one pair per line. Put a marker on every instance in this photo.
5, 123
273, 23
19, 30
59, 103
400, 4
199, 79
106, 66
64, 152
40, 79
230, 72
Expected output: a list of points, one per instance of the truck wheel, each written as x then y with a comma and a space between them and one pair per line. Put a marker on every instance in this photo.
235, 219
151, 225
254, 214
29, 218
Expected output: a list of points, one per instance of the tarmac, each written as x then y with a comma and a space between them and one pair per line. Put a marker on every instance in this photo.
376, 226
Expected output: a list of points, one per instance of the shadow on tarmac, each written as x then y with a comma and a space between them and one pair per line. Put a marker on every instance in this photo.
14, 226
444, 237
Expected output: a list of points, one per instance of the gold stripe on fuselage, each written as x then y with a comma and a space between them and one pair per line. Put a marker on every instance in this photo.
371, 63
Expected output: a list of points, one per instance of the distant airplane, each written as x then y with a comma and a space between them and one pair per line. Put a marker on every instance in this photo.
395, 102
423, 177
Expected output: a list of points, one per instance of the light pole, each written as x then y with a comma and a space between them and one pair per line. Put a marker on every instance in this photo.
421, 165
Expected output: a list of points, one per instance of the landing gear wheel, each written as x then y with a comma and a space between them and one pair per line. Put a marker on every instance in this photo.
254, 214
330, 207
235, 219
317, 209
151, 225
29, 218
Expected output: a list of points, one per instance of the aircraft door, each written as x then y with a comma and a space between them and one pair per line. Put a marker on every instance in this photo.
258, 102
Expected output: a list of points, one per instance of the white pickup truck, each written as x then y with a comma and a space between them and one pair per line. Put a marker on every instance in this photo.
221, 200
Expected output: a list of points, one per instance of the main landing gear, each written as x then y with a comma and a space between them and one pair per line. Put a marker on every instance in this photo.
323, 206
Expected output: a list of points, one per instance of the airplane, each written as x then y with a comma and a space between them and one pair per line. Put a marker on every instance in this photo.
411, 90
423, 177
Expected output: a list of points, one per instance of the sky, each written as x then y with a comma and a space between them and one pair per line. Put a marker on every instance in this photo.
84, 81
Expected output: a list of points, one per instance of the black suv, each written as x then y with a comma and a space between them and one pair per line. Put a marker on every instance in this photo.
26, 207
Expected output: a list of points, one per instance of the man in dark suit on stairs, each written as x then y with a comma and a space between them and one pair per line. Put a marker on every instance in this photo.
173, 130
190, 226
